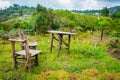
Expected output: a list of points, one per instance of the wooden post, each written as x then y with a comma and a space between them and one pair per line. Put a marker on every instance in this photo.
29, 66
68, 49
51, 44
59, 44
102, 32
14, 56
36, 60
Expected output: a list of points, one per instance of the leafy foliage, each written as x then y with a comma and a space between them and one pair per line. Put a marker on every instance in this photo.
105, 11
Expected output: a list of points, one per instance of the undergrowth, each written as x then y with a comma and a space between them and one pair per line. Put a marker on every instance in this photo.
86, 61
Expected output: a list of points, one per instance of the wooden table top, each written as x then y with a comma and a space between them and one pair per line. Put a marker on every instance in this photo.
60, 32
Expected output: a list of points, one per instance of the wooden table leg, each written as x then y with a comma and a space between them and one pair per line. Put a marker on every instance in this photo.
68, 49
51, 44
14, 56
36, 60
59, 44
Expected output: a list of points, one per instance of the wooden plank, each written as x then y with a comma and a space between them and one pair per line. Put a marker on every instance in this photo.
32, 44
55, 38
64, 42
15, 40
60, 32
20, 62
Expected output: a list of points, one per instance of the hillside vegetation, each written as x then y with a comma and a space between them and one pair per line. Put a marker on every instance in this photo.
15, 11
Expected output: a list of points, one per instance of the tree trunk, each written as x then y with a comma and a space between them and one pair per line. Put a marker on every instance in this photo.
102, 31
92, 30
117, 32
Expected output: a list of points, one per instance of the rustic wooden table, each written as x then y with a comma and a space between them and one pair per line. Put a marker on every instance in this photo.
60, 40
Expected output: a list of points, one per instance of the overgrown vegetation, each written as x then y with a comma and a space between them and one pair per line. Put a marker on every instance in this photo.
85, 61
97, 36
43, 19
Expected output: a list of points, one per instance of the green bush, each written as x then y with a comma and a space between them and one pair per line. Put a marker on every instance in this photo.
3, 35
95, 51
2, 32
14, 32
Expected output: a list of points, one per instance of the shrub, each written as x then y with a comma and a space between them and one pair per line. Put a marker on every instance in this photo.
3, 35
14, 32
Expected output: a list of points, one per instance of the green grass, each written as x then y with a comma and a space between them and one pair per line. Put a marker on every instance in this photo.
86, 61
10, 20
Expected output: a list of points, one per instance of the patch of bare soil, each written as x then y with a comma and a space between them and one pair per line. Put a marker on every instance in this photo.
114, 53
114, 49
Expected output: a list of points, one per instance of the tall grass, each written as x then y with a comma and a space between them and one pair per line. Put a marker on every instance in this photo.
85, 62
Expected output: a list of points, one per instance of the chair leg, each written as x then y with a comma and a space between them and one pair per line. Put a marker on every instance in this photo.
29, 69
29, 66
36, 60
15, 62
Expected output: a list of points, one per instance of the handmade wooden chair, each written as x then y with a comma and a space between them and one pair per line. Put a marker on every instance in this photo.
27, 55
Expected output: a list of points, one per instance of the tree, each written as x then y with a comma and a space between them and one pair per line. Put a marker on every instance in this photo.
40, 8
43, 19
41, 23
105, 12
104, 23
116, 15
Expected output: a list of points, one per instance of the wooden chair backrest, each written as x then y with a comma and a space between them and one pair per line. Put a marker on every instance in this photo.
24, 44
26, 47
22, 36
